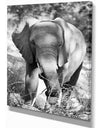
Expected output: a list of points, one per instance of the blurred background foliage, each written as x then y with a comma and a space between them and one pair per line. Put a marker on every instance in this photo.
77, 13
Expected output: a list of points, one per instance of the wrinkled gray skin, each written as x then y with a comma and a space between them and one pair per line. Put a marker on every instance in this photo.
47, 47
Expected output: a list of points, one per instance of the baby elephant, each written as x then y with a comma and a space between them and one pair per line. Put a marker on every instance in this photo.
54, 51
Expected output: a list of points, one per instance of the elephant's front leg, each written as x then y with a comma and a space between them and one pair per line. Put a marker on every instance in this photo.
32, 82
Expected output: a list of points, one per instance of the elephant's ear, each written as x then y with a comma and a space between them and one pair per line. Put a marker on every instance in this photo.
66, 30
21, 40
63, 55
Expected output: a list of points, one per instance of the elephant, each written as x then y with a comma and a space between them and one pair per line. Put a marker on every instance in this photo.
54, 51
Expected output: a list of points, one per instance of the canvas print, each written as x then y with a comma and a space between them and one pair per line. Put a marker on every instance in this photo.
49, 54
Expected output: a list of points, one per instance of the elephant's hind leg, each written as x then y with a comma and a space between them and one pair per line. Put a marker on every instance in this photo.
74, 77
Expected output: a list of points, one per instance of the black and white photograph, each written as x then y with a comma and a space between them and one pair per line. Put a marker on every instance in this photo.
49, 58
